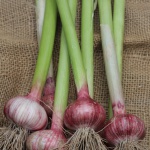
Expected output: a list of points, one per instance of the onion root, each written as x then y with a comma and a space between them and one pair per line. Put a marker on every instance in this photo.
87, 139
130, 145
9, 135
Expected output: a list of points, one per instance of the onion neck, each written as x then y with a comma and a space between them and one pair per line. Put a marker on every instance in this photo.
83, 92
35, 93
57, 121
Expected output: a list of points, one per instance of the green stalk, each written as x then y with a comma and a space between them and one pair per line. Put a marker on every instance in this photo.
118, 26
46, 46
110, 58
73, 44
40, 10
106, 18
50, 71
110, 110
62, 82
87, 40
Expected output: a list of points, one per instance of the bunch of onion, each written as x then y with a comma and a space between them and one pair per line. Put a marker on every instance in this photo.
49, 88
123, 130
26, 111
54, 137
84, 115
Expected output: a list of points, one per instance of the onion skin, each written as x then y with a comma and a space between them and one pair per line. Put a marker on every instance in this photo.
118, 108
49, 88
84, 112
45, 140
47, 104
48, 96
26, 112
124, 127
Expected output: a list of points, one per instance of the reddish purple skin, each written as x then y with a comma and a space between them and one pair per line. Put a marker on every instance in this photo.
119, 105
48, 96
84, 112
124, 127
57, 120
49, 88
118, 108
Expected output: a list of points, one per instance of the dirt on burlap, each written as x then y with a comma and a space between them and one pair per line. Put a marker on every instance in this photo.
19, 49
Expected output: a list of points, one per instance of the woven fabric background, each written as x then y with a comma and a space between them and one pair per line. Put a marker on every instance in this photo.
19, 49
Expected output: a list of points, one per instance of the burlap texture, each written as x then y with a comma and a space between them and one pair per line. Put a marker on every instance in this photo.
18, 53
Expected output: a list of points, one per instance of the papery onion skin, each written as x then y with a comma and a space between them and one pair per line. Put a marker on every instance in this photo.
45, 140
26, 112
84, 112
123, 128
47, 104
49, 88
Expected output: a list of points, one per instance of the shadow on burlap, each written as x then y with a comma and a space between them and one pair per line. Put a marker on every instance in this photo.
18, 53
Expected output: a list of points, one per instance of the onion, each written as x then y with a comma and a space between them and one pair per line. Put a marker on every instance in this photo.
54, 137
26, 111
84, 112
123, 130
80, 115
48, 139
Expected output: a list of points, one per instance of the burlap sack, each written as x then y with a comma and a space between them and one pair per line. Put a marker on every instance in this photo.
18, 53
